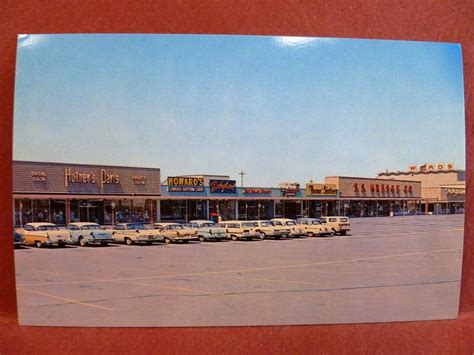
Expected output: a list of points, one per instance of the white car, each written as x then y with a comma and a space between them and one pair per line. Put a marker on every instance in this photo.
84, 233
131, 233
41, 234
296, 230
206, 230
240, 229
175, 232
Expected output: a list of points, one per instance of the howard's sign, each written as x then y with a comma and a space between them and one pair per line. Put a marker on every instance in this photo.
185, 184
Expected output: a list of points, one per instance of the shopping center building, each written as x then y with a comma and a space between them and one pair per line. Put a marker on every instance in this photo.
443, 187
63, 193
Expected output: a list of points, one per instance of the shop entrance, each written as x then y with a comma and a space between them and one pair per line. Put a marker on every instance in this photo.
87, 211
291, 209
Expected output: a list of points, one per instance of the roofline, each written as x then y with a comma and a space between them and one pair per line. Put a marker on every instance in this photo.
82, 164
422, 172
365, 178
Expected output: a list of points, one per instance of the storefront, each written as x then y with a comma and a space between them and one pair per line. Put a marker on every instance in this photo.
63, 193
443, 186
366, 197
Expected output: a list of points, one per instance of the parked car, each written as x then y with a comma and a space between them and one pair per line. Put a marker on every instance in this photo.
206, 230
175, 232
296, 230
314, 227
18, 239
84, 233
268, 230
131, 233
42, 233
240, 229
338, 225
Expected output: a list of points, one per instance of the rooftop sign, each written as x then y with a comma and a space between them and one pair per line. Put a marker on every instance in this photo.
431, 167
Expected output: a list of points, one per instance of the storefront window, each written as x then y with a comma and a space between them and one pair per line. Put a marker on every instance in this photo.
123, 211
173, 210
58, 212
225, 209
278, 209
196, 210
41, 210
23, 212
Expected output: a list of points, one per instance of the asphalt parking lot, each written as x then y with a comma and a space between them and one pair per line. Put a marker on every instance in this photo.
387, 269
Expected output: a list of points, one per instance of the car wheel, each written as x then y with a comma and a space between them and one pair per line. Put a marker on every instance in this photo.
167, 240
277, 237
234, 238
82, 242
343, 232
310, 234
263, 236
185, 241
202, 239
128, 241
333, 231
149, 243
104, 244
38, 244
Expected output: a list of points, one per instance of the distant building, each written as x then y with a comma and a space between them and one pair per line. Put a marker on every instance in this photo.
442, 187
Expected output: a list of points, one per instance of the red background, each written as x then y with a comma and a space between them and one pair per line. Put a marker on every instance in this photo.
440, 21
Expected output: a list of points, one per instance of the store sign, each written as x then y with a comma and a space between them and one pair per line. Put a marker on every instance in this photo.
222, 186
78, 177
383, 188
139, 179
455, 191
321, 189
289, 188
257, 191
185, 184
431, 167
38, 176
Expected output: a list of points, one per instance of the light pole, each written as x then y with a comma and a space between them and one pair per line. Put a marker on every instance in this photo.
242, 178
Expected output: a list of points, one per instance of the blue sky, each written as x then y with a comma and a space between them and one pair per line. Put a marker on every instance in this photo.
278, 108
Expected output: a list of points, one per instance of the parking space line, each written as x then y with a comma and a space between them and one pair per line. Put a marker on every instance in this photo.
270, 280
124, 282
349, 273
65, 299
259, 268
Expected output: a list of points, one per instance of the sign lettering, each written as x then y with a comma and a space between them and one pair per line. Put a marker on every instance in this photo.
38, 176
222, 186
257, 191
321, 189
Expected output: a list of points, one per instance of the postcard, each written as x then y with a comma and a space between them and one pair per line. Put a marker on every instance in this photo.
214, 180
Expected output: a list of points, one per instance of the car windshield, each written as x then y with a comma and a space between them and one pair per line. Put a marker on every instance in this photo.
290, 223
137, 226
266, 224
344, 219
315, 221
208, 224
90, 227
176, 226
249, 224
47, 228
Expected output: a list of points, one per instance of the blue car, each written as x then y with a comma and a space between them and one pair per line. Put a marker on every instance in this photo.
18, 239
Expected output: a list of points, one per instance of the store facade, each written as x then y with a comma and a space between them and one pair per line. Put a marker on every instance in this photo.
63, 193
443, 187
372, 197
